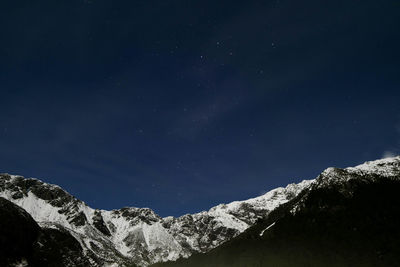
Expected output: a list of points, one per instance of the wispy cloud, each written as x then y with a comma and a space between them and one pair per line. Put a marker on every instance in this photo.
394, 151
388, 154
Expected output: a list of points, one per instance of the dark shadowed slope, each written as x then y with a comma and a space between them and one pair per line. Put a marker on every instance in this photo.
348, 217
24, 243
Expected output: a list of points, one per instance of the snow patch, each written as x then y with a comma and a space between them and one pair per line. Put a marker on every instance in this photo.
262, 232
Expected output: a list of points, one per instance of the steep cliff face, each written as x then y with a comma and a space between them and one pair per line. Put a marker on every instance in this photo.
24, 243
138, 235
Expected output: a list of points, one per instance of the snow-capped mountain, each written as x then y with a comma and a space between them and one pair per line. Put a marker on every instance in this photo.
346, 217
138, 235
345, 180
370, 170
24, 243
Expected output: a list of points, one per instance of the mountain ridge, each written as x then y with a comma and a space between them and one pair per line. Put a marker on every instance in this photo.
347, 217
138, 235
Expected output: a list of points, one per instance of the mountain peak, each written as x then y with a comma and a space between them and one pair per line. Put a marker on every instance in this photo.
139, 234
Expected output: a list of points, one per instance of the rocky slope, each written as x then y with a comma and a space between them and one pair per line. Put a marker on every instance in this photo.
138, 236
347, 217
24, 243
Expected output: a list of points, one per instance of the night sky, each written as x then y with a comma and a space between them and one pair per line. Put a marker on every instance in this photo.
182, 105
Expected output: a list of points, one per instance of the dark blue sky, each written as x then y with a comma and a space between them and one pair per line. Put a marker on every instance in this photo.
181, 105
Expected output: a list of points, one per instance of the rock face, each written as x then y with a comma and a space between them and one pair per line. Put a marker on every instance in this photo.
346, 181
137, 235
24, 243
347, 217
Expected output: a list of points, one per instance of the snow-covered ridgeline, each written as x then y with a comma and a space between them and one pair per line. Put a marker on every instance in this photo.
140, 233
388, 167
